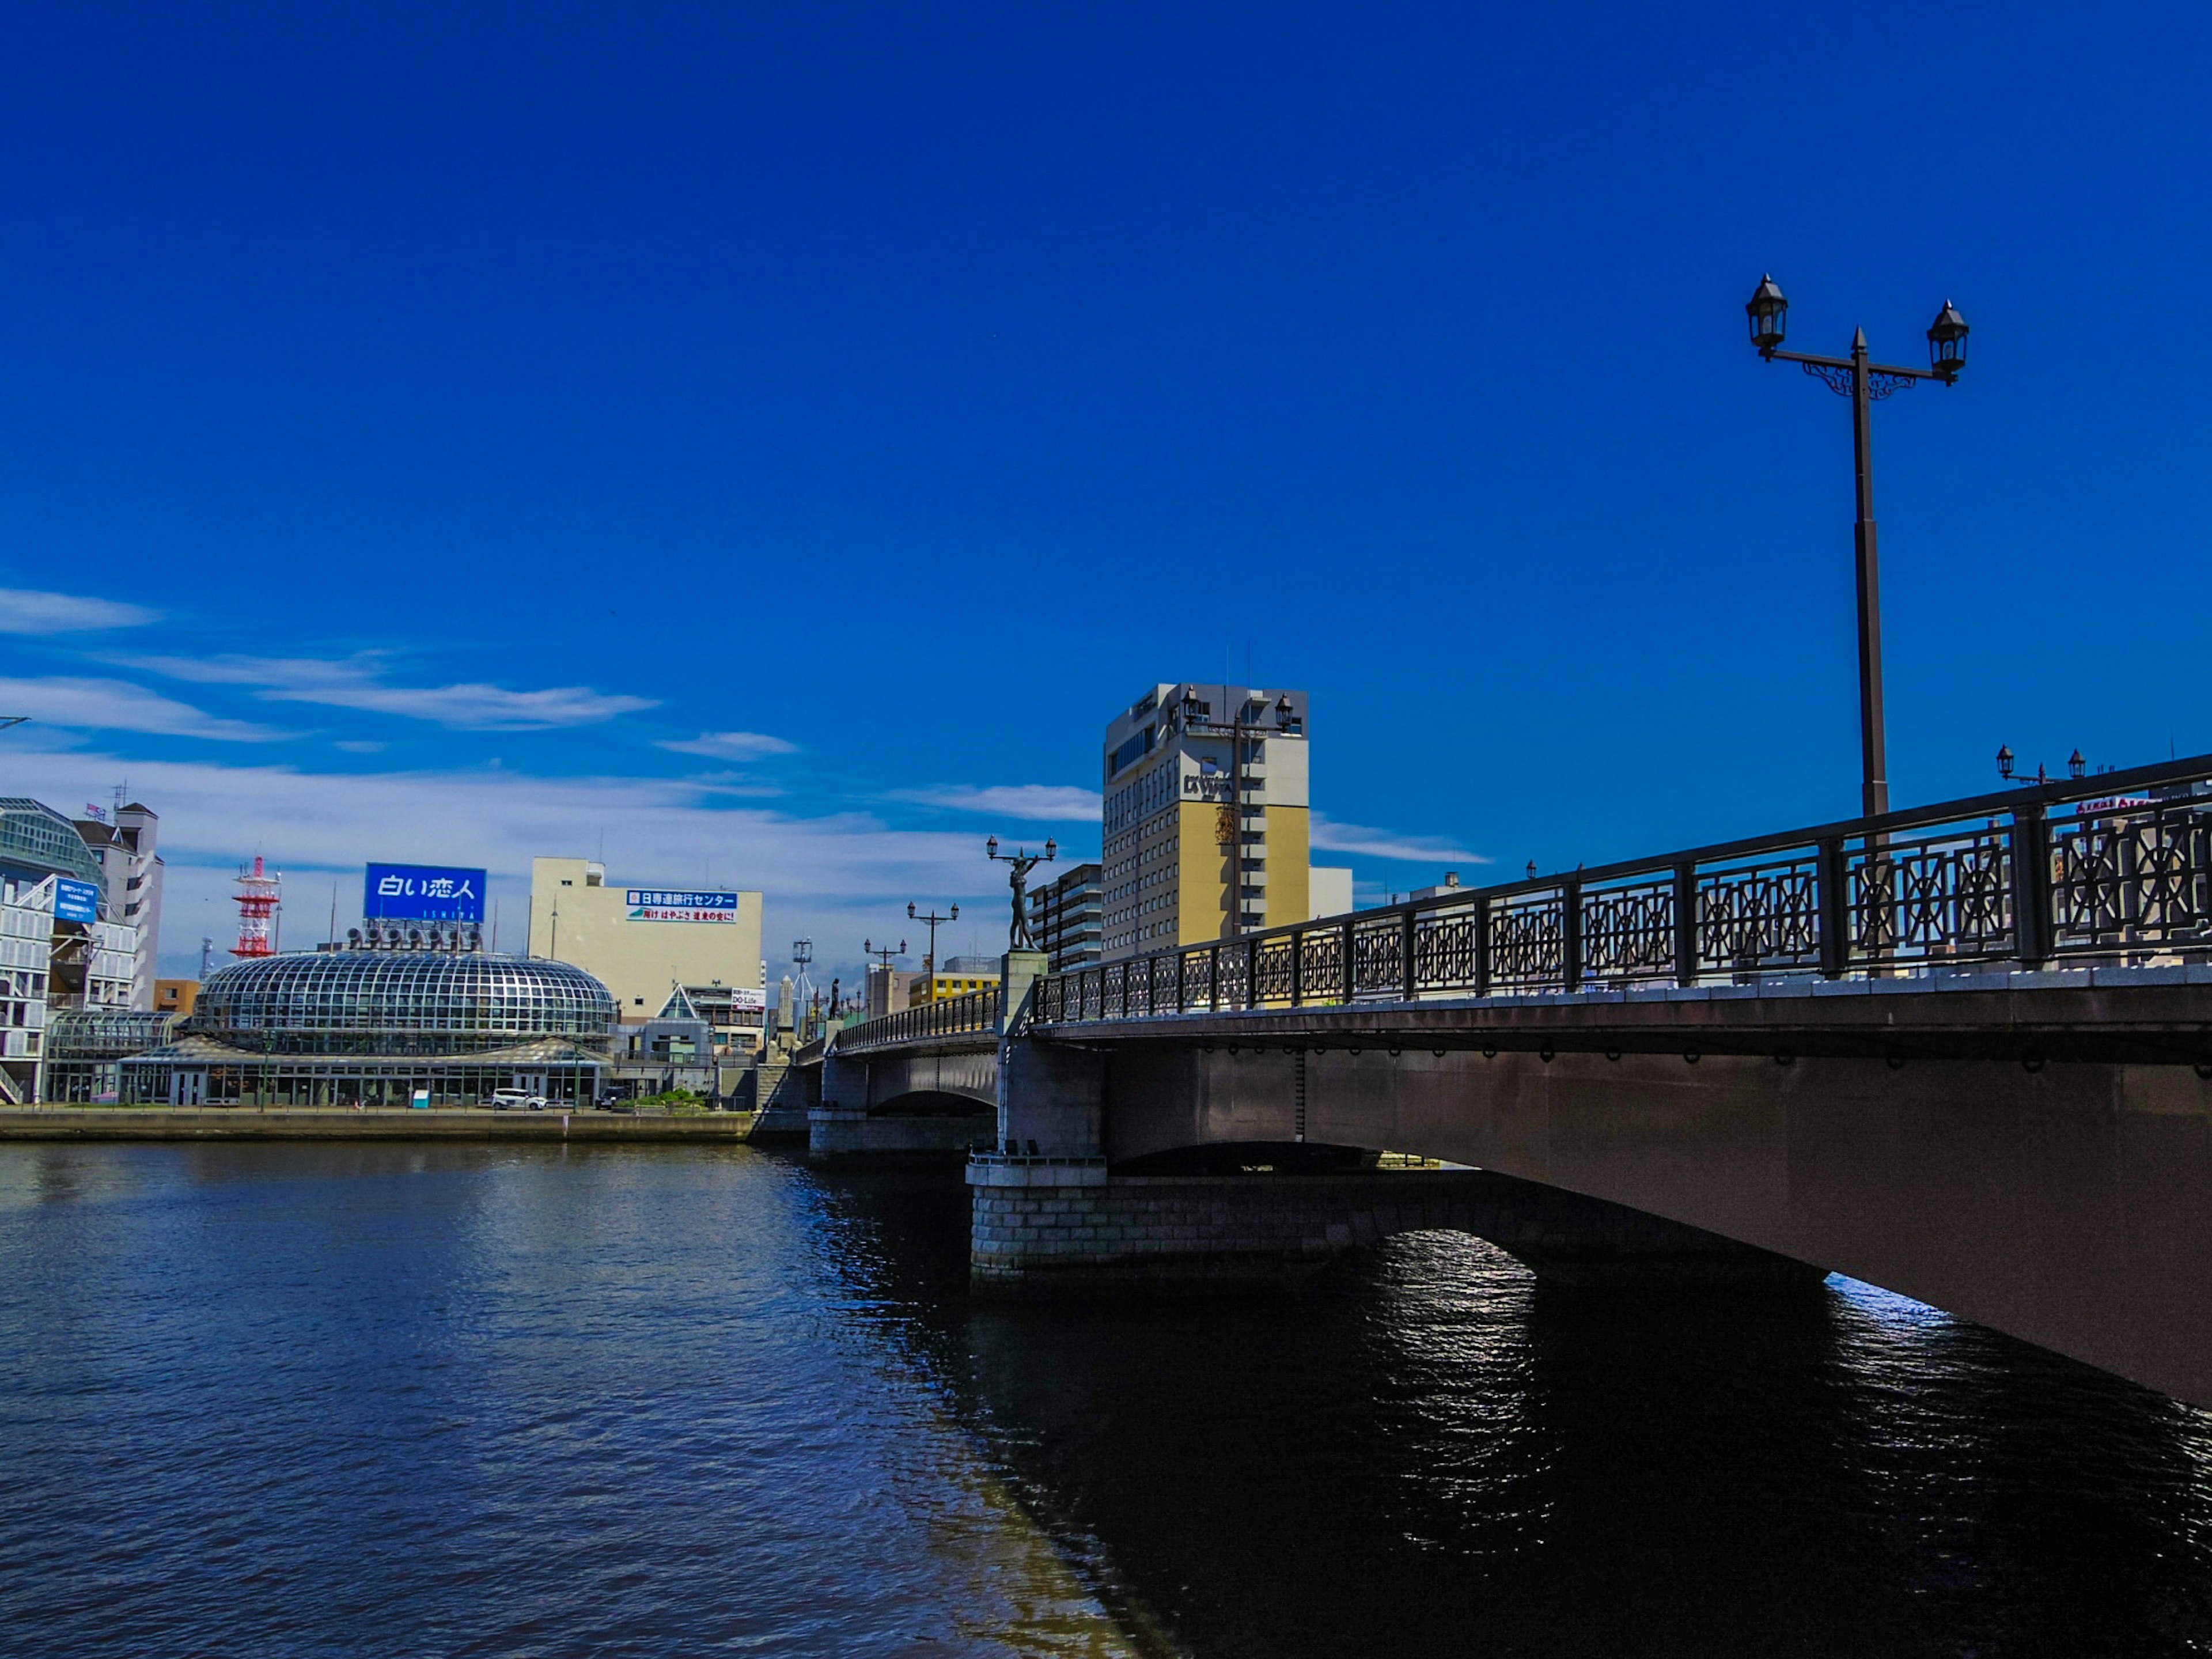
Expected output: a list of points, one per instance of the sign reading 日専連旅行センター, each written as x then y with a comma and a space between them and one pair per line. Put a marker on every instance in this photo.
681, 904
422, 892
76, 901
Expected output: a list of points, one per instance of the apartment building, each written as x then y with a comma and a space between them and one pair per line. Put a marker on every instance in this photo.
1067, 918
1207, 816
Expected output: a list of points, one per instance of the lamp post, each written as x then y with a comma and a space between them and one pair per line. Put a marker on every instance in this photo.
1865, 383
1024, 861
929, 961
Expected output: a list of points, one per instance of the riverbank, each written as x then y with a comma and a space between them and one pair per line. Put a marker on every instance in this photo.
373, 1123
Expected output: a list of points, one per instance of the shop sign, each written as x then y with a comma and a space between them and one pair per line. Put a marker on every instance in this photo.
76, 901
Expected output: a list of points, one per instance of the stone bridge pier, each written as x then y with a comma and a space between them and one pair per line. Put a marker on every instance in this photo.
919, 1105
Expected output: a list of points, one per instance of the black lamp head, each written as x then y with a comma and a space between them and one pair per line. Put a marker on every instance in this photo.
1769, 311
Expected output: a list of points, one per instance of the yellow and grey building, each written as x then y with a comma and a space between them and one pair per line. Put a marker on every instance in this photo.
1206, 820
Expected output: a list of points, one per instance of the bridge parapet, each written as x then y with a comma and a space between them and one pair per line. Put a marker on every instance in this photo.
2114, 870
972, 1012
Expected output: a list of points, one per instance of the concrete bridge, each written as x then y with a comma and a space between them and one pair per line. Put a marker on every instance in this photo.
1962, 1054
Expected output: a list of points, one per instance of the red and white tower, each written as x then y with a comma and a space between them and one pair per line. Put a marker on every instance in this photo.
259, 893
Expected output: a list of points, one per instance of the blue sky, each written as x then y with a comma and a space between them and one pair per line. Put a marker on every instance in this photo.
770, 443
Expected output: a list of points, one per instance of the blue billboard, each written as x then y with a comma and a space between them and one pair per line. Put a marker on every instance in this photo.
76, 901
422, 892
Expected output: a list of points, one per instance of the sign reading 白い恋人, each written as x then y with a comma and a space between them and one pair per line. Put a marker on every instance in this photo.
422, 892
681, 904
76, 901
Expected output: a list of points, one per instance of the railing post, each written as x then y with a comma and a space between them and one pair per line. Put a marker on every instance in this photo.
2031, 885
1350, 964
1835, 909
1251, 973
1213, 987
1182, 980
1298, 967
1685, 924
1406, 954
1571, 935
1482, 945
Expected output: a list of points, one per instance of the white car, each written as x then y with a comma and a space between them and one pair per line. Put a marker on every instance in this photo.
516, 1099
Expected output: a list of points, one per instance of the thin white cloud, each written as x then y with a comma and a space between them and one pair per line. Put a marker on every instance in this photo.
1330, 836
730, 745
836, 878
118, 706
27, 611
358, 681
1045, 803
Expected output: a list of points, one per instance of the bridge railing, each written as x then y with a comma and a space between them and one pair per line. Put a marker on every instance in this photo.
2117, 868
971, 1010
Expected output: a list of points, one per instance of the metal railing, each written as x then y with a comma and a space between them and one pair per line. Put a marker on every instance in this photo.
971, 1010
2114, 867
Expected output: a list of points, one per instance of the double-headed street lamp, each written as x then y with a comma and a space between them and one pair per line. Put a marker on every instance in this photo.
1865, 384
932, 920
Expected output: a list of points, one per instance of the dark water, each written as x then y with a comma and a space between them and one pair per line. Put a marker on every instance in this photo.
445, 1401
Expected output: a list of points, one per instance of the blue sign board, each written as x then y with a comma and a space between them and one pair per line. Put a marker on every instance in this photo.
422, 892
680, 904
76, 901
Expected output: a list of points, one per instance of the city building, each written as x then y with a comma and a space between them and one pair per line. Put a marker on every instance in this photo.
1328, 891
1067, 917
643, 942
1206, 830
674, 1049
175, 996
86, 1049
954, 976
381, 1027
126, 849
60, 947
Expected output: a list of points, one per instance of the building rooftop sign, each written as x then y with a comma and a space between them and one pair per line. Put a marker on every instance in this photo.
680, 904
422, 892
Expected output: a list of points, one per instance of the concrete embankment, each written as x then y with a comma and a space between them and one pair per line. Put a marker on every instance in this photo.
339, 1123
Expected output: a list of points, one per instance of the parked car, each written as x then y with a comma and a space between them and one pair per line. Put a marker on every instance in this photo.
516, 1099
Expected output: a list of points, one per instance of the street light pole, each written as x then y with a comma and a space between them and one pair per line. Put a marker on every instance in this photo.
929, 961
1865, 383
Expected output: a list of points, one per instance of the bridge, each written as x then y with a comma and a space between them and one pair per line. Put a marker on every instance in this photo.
1963, 1052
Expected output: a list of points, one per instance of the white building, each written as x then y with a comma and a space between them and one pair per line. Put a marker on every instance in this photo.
643, 942
130, 882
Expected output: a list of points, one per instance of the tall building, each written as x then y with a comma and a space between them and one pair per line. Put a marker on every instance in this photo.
131, 880
1207, 832
641, 942
1067, 917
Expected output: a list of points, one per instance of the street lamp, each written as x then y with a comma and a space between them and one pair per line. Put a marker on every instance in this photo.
1865, 384
929, 961
1024, 861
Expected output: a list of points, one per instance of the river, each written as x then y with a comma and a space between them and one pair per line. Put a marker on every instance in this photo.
369, 1399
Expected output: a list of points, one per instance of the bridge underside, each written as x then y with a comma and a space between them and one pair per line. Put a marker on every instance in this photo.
2070, 1205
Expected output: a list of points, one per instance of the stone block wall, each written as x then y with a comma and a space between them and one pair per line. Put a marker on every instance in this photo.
1055, 1226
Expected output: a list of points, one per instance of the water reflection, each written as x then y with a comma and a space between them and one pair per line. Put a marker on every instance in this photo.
452, 1400
1433, 1454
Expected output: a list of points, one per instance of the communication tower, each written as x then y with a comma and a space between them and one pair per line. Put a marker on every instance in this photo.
259, 893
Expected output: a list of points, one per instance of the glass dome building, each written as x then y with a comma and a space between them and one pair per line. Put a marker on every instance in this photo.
370, 1028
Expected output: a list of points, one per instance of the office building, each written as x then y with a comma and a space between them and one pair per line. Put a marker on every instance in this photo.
643, 942
1206, 830
126, 850
1067, 918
